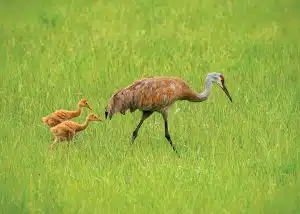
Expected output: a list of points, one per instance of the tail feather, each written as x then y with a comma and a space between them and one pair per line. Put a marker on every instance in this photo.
120, 102
107, 114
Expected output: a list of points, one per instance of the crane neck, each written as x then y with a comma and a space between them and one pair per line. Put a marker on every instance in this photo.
77, 112
205, 94
83, 126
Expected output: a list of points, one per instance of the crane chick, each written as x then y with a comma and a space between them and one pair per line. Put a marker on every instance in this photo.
158, 94
61, 115
66, 130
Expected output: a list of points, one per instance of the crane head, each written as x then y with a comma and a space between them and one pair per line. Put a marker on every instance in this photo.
93, 117
84, 103
219, 79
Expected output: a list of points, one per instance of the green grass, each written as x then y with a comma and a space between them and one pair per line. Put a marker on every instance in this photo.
240, 157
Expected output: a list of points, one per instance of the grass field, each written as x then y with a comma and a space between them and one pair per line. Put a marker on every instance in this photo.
240, 157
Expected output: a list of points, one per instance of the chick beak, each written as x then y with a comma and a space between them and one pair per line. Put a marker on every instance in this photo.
88, 106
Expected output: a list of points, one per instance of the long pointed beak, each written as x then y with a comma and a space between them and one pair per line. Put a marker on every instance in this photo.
226, 92
88, 106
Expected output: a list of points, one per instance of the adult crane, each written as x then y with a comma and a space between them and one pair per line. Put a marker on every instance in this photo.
158, 94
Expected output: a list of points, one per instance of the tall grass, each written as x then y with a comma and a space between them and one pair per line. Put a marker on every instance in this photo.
240, 157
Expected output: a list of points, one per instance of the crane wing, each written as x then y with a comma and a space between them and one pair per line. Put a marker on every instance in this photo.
149, 94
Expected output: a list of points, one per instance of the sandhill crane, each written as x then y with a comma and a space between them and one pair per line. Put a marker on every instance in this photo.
66, 130
157, 94
61, 115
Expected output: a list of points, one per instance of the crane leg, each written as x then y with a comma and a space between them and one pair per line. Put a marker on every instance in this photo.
167, 134
51, 147
145, 115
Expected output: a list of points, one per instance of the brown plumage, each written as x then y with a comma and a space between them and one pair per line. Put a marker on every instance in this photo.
61, 115
66, 130
158, 94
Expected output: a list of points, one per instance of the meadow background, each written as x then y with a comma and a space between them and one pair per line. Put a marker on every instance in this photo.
240, 157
